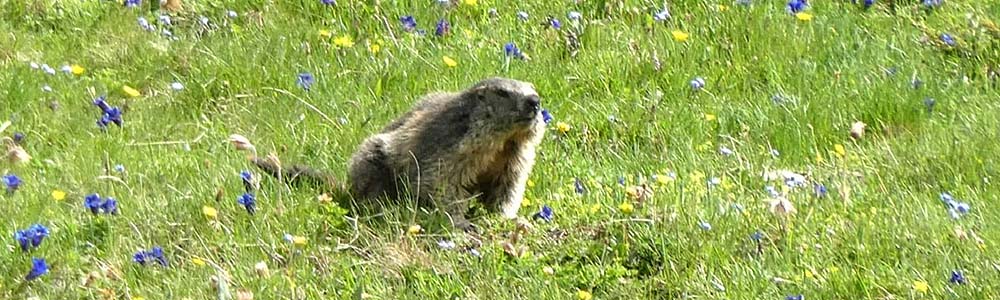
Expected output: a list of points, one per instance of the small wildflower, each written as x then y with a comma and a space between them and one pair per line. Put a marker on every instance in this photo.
232, 14
470, 2
409, 23
325, 33
662, 15
31, 237
858, 129
343, 42
197, 261
921, 286
795, 297
12, 182
328, 2
442, 28
522, 15
697, 83
705, 225
46, 88
548, 270
177, 86
578, 186
414, 229
584, 295
803, 16
76, 69
775, 153
957, 277
574, 15
119, 168
714, 181
209, 212
155, 254
839, 150
546, 116
132, 3
545, 214
248, 201
305, 80
511, 50
446, 244
932, 3
725, 151
48, 70
757, 236
165, 20
626, 208
554, 23
929, 103
710, 117
38, 268
374, 48
58, 195
448, 61
680, 36
819, 190
261, 269
131, 92
947, 39
796, 6
562, 127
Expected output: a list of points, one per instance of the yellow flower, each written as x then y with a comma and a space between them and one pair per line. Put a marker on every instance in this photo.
548, 270
709, 117
626, 208
680, 36
375, 48
663, 179
414, 229
562, 127
584, 295
471, 2
325, 33
526, 202
58, 195
810, 275
595, 208
138, 298
131, 92
299, 240
723, 7
448, 61
833, 269
531, 183
819, 159
209, 212
198, 261
804, 16
76, 69
343, 42
921, 286
839, 149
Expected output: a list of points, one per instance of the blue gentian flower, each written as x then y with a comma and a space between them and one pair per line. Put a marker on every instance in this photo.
796, 6
140, 257
248, 201
662, 15
119, 168
795, 297
544, 214
305, 80
157, 253
144, 24
12, 182
328, 2
957, 277
409, 23
578, 186
697, 83
929, 103
546, 116
868, 3
93, 203
510, 49
757, 236
962, 207
36, 233
442, 28
18, 137
947, 39
110, 206
38, 268
932, 3
574, 15
111, 114
555, 23
23, 238
819, 190
132, 3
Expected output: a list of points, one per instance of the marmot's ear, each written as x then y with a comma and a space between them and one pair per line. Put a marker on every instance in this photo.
479, 92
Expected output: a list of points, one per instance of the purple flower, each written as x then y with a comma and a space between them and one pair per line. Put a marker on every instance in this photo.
23, 238
38, 268
544, 214
305, 80
96, 205
510, 49
111, 114
796, 6
110, 206
248, 201
132, 3
957, 277
546, 116
947, 39
12, 182
328, 2
442, 28
555, 23
409, 23
18, 137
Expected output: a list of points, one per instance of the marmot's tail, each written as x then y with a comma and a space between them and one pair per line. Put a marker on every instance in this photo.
295, 174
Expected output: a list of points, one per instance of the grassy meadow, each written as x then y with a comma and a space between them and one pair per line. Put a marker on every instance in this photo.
717, 149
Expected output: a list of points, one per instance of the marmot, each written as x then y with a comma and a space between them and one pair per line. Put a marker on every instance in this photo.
448, 149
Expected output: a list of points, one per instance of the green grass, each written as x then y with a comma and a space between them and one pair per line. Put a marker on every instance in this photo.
880, 228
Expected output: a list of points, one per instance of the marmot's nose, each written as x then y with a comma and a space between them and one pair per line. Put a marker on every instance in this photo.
533, 103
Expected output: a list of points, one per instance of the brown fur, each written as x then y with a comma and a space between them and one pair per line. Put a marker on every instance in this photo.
450, 148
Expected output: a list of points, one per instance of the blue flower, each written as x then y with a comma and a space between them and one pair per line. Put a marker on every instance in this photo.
510, 49
819, 190
621, 180
932, 3
868, 3
110, 206
165, 20
947, 39
409, 23
144, 24
305, 80
119, 168
12, 182
916, 83
544, 214
38, 268
132, 3
248, 201
555, 23
37, 233
795, 297
111, 114
662, 15
743, 2
957, 277
23, 238
757, 236
796, 6
725, 151
442, 28
93, 203
18, 137
546, 116
929, 103
697, 83
328, 2
139, 257
156, 253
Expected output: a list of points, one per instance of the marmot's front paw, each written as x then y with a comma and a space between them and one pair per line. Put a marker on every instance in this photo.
466, 226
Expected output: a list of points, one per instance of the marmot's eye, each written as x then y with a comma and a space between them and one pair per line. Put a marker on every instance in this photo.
503, 93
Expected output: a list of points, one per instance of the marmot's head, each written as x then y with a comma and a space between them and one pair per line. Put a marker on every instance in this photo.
507, 103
